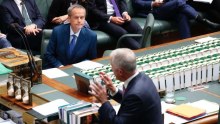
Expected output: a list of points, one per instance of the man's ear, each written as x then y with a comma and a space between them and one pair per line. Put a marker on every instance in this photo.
68, 19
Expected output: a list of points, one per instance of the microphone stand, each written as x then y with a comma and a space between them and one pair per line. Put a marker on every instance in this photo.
35, 74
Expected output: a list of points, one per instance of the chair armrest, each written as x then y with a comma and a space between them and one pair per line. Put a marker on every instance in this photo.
126, 36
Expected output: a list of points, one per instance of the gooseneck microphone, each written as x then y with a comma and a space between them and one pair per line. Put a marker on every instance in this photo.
33, 68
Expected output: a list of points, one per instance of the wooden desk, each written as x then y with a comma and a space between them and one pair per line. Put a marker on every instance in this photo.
74, 93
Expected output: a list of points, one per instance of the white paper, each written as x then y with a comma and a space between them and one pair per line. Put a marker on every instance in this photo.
85, 65
50, 107
210, 107
54, 73
204, 1
205, 39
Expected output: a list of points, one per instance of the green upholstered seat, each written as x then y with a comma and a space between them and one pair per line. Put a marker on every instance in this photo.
145, 40
45, 40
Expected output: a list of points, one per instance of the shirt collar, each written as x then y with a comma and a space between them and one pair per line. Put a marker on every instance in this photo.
72, 33
18, 2
126, 82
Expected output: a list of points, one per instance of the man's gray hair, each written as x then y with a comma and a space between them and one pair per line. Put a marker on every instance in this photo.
73, 7
124, 58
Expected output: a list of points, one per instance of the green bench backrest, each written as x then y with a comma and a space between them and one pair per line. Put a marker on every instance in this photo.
44, 6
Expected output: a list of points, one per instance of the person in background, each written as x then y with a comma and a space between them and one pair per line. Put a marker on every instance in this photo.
71, 43
176, 10
111, 16
140, 102
58, 12
22, 15
4, 43
212, 9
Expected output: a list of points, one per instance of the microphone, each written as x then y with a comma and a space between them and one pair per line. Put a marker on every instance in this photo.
35, 75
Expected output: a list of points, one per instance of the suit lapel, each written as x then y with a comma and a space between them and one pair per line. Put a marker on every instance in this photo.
66, 38
17, 11
79, 43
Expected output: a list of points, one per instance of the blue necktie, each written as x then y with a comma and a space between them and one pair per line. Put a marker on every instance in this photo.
25, 15
71, 46
117, 12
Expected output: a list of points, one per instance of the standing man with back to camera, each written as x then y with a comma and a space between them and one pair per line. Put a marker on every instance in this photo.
71, 43
140, 102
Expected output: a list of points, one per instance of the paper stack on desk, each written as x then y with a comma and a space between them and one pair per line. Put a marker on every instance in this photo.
186, 111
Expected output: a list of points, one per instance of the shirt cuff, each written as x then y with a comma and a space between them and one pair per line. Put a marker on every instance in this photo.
112, 94
124, 13
152, 5
109, 20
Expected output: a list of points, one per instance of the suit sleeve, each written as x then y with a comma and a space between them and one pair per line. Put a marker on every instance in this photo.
92, 48
92, 8
37, 19
7, 19
122, 6
55, 9
50, 55
142, 4
129, 111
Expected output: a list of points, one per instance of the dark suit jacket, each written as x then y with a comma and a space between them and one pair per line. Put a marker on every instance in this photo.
139, 105
59, 8
142, 7
97, 10
56, 53
11, 14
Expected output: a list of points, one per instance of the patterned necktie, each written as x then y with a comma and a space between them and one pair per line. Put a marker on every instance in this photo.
25, 15
117, 12
71, 46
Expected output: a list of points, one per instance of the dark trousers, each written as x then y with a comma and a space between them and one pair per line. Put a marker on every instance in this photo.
34, 41
118, 30
179, 11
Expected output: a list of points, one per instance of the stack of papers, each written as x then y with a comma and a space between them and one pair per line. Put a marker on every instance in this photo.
50, 107
186, 111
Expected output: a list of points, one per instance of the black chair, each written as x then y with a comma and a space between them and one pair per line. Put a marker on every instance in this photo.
145, 40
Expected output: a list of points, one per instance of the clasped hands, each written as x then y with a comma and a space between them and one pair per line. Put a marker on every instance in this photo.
99, 91
31, 29
121, 20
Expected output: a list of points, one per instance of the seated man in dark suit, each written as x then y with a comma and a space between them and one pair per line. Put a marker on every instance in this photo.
3, 41
111, 16
176, 10
212, 9
140, 102
58, 12
71, 43
27, 18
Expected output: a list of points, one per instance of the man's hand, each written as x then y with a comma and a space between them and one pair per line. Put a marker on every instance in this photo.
157, 3
31, 29
99, 92
60, 19
108, 82
117, 20
126, 17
